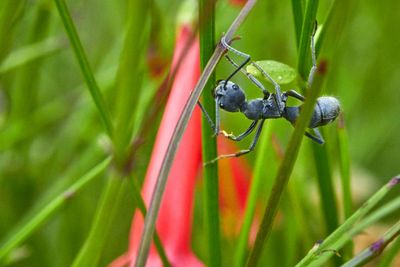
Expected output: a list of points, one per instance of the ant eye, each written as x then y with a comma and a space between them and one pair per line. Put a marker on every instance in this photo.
235, 87
221, 105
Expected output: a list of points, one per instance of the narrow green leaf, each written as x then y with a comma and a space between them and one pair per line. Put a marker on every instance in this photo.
46, 212
280, 72
297, 10
326, 188
30, 52
84, 65
142, 207
375, 249
91, 252
258, 176
209, 145
286, 167
315, 254
129, 77
305, 40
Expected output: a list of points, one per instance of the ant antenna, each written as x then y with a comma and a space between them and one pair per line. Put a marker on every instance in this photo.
250, 77
237, 52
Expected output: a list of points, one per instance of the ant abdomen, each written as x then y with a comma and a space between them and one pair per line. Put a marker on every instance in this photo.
326, 110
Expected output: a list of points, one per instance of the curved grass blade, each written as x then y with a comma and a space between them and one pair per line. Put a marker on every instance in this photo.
315, 254
258, 176
45, 213
375, 249
31, 52
84, 65
177, 135
286, 167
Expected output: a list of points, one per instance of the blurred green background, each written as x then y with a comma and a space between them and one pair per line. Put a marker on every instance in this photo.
50, 133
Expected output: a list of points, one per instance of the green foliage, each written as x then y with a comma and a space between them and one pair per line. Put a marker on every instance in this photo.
76, 90
279, 72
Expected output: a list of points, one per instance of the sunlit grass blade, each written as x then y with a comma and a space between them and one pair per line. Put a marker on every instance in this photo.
142, 207
375, 249
258, 176
31, 52
90, 253
358, 228
388, 257
84, 65
326, 189
286, 167
297, 10
305, 40
129, 77
209, 144
46, 212
326, 26
344, 167
10, 12
315, 254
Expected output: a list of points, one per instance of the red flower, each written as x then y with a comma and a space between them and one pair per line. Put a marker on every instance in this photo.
239, 3
175, 217
174, 220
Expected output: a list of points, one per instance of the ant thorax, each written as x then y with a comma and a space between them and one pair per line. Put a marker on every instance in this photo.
261, 108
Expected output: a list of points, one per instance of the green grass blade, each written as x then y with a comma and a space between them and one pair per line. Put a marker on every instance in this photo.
258, 176
45, 213
387, 258
326, 26
10, 12
297, 10
91, 252
375, 249
286, 167
209, 145
344, 167
342, 231
326, 189
84, 65
30, 53
129, 77
378, 214
305, 40
142, 207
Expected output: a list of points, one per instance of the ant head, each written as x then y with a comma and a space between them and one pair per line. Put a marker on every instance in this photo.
229, 95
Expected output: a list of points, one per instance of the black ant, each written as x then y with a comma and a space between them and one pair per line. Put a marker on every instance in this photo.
230, 97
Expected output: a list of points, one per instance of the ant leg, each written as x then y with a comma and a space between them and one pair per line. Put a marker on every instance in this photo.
217, 118
242, 135
208, 118
278, 93
250, 77
317, 137
313, 58
237, 52
241, 152
294, 94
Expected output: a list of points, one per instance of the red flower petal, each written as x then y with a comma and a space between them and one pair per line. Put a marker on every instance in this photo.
174, 220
